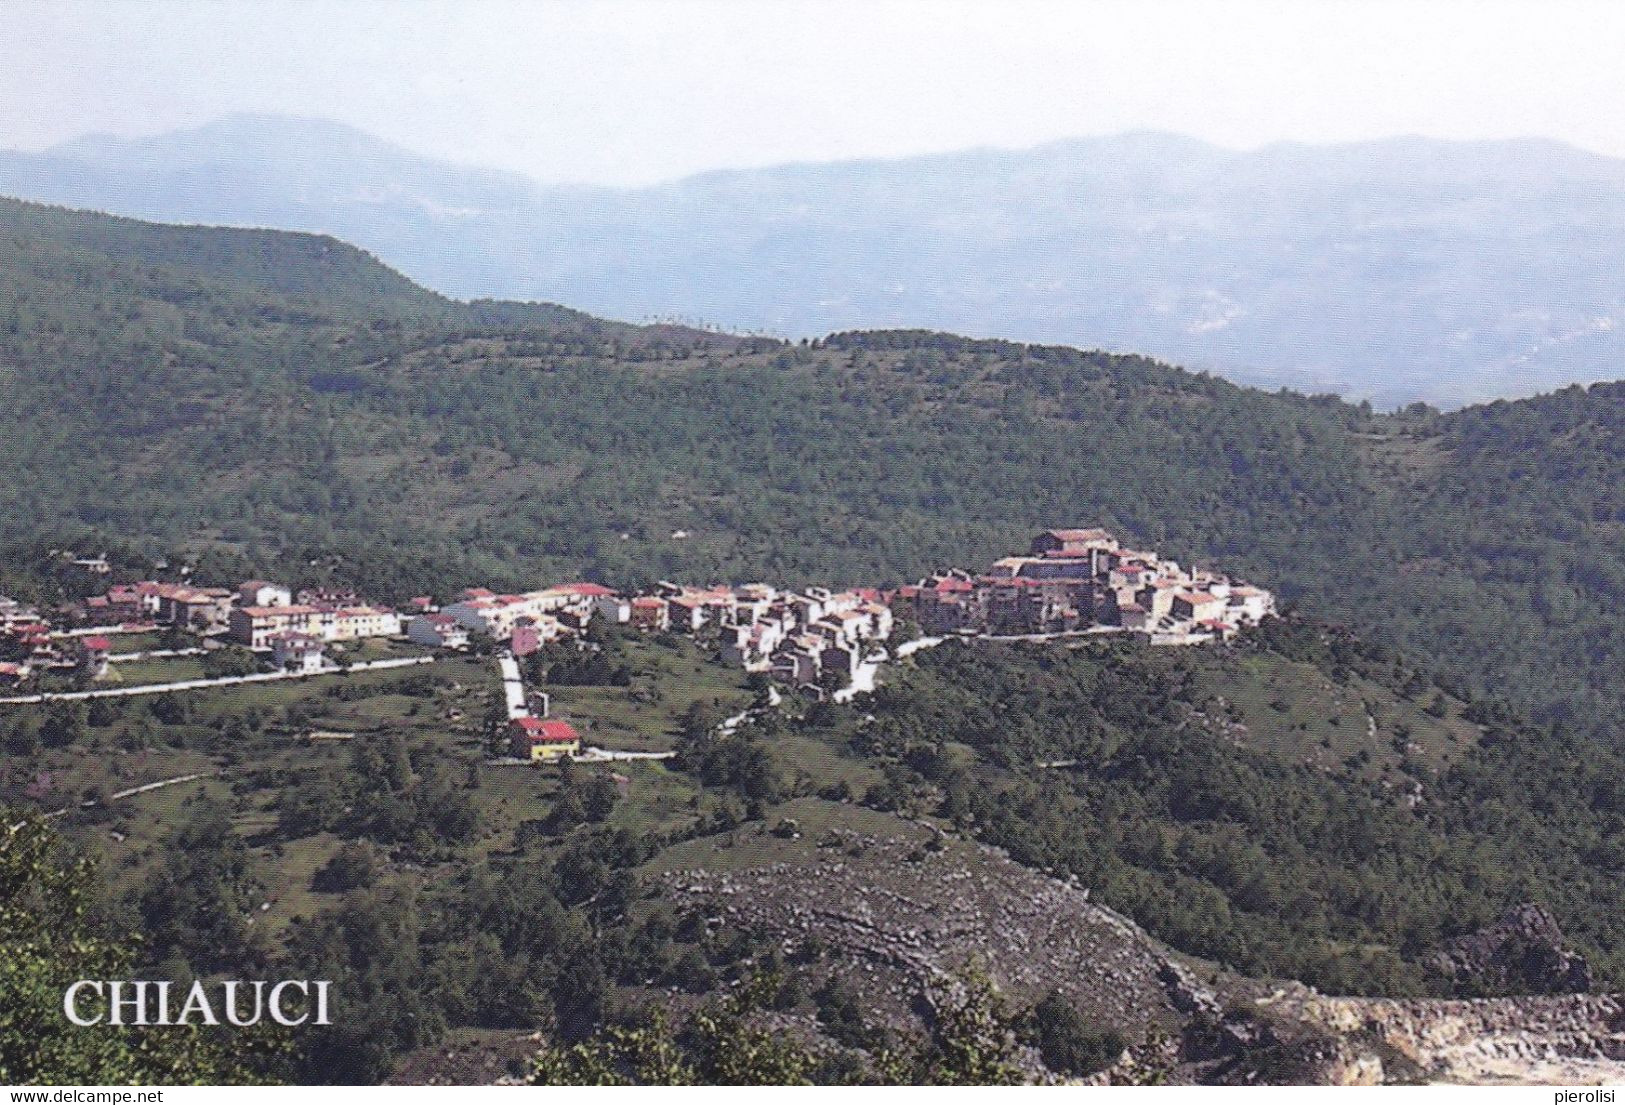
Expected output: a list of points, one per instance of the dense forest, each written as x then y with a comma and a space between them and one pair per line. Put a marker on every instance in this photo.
285, 401
1257, 860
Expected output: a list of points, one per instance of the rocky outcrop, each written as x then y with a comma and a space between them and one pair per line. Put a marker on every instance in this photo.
898, 915
1522, 952
894, 915
1572, 1039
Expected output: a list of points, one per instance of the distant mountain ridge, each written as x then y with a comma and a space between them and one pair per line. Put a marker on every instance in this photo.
1395, 270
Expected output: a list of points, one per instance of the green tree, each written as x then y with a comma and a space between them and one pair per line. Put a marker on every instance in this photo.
1068, 1042
353, 867
49, 938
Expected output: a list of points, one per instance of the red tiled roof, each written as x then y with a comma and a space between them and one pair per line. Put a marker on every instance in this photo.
551, 732
96, 644
586, 590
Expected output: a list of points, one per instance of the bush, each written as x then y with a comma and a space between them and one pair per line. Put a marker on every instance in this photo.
1067, 1042
230, 661
353, 867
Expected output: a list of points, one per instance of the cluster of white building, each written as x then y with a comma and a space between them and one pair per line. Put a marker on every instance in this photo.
1073, 579
267, 616
800, 636
803, 637
523, 621
1070, 579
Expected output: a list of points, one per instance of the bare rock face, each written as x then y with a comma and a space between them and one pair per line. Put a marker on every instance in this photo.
1306, 1059
1573, 1039
1522, 952
894, 916
899, 916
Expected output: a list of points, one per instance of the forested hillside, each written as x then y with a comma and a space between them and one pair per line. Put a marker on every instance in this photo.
1400, 269
283, 399
1346, 860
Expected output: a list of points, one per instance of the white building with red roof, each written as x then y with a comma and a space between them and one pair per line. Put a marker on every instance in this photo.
540, 740
299, 652
94, 652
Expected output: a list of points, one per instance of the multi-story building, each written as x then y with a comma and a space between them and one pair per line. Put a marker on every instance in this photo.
199, 609
93, 655
481, 611
255, 626
353, 623
299, 652
752, 646
1198, 606
1250, 605
650, 612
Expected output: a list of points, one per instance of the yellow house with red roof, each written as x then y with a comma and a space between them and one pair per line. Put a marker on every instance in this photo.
541, 741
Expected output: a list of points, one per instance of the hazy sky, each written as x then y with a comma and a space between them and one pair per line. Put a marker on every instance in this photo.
628, 92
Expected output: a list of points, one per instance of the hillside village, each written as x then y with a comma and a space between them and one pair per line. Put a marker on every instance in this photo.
814, 640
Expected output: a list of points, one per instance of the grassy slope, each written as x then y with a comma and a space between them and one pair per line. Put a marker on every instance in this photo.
252, 770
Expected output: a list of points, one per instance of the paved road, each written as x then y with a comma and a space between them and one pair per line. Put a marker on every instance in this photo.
100, 631
155, 654
1092, 631
159, 785
513, 687
909, 648
863, 680
590, 755
204, 684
